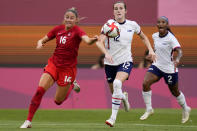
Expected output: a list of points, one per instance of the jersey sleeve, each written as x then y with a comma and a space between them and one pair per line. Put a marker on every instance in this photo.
137, 28
153, 36
80, 32
175, 43
52, 34
102, 30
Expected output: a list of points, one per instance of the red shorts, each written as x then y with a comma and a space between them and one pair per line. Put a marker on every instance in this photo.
63, 76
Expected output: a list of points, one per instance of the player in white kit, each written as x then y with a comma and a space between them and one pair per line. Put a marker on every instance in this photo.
118, 57
165, 66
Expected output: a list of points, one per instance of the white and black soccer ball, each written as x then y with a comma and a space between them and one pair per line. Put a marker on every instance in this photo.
111, 28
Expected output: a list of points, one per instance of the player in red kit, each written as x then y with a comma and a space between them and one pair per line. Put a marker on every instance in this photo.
61, 66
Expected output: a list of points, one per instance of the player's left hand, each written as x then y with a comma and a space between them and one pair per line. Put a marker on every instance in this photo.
176, 63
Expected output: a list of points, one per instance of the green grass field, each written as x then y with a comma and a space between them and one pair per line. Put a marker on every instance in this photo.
94, 120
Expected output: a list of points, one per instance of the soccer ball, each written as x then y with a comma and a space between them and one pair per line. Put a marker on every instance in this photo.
111, 28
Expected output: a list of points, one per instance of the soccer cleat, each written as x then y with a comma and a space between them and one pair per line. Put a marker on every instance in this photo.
126, 102
76, 87
147, 114
185, 114
110, 122
26, 124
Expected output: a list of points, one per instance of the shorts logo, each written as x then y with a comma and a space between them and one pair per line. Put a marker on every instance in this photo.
150, 69
59, 33
109, 79
69, 34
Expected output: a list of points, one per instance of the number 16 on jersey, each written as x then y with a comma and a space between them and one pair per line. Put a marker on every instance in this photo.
62, 39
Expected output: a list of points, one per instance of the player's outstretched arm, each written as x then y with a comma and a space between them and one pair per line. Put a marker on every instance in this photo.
145, 40
89, 40
42, 42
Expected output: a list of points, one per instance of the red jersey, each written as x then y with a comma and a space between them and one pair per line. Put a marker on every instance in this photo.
67, 45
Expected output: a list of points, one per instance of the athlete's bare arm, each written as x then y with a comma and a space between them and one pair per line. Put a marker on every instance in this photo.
42, 42
145, 40
100, 45
89, 40
178, 56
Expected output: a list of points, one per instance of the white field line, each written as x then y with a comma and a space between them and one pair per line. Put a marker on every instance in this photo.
151, 125
96, 124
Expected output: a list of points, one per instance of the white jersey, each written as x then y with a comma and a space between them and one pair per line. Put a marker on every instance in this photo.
164, 47
120, 47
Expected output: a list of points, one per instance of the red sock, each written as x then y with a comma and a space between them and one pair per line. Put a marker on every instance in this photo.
35, 102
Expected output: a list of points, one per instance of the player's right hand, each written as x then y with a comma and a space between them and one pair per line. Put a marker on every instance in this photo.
108, 57
39, 44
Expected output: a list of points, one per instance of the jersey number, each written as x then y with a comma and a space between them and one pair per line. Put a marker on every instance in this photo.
62, 39
169, 79
67, 79
117, 38
126, 65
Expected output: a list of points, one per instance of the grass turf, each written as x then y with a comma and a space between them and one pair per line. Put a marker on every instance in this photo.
94, 120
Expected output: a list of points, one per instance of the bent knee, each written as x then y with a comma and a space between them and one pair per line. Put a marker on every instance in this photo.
146, 85
58, 102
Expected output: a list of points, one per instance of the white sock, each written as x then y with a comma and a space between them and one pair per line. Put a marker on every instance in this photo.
116, 98
147, 99
115, 107
181, 100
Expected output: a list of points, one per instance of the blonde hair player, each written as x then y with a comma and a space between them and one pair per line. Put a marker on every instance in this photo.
61, 67
118, 57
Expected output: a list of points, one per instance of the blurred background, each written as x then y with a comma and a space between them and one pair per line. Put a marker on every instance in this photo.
24, 22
